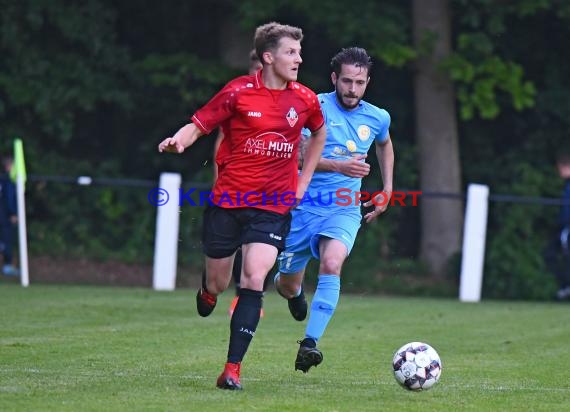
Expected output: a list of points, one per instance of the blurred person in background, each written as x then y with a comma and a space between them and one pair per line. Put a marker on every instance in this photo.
8, 216
557, 254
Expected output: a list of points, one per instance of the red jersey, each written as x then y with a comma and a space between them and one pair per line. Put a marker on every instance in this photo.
257, 159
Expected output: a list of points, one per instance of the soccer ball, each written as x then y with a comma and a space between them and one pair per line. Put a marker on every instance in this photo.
416, 366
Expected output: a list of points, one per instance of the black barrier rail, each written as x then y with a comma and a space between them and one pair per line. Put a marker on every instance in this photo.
95, 181
536, 200
105, 181
444, 195
499, 198
529, 200
109, 181
419, 193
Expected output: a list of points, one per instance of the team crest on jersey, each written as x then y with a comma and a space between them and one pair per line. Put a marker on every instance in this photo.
363, 132
292, 117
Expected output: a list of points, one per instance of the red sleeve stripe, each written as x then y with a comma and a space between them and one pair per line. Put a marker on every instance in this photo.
198, 123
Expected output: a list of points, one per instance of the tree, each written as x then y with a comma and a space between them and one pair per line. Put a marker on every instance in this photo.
59, 61
436, 131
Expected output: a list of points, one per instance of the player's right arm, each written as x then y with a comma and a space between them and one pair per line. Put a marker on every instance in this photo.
206, 119
353, 167
185, 137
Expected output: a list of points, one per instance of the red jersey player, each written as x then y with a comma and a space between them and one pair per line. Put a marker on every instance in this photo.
261, 116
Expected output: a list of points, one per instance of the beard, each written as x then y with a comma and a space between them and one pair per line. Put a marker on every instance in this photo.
340, 98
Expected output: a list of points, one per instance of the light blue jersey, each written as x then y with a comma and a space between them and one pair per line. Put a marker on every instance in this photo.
349, 133
322, 213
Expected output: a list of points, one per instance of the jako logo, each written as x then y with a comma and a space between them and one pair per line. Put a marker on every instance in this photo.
246, 330
253, 114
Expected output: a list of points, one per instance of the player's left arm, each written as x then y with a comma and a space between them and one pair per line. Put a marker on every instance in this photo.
385, 155
313, 150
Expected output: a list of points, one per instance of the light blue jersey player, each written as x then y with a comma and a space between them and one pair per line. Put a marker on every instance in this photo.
325, 223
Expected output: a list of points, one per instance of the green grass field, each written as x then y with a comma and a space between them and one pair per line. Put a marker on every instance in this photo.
74, 348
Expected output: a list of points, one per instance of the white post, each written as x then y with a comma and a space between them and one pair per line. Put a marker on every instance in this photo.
22, 236
165, 197
474, 232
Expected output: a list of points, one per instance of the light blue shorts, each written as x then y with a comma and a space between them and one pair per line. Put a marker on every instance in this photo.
306, 230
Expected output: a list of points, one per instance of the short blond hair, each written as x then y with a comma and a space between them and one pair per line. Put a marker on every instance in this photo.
267, 37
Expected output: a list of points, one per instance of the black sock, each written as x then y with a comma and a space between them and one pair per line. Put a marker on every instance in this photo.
244, 323
308, 343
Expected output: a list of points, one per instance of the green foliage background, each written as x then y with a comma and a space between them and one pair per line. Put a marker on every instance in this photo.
92, 87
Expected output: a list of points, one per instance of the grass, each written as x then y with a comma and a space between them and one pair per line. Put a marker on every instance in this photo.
69, 348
